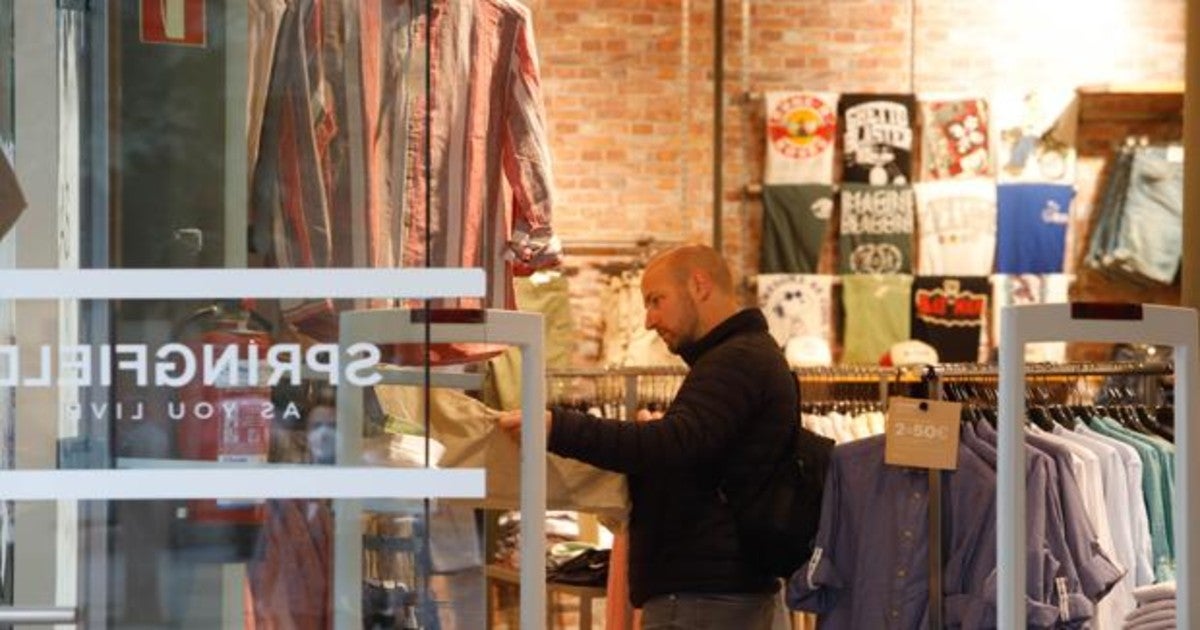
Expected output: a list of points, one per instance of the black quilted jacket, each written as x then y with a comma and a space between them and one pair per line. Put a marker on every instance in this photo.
732, 418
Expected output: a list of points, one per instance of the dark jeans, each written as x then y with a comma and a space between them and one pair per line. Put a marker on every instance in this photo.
711, 611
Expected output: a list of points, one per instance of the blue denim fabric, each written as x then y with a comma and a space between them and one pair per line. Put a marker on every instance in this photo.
1105, 231
1149, 239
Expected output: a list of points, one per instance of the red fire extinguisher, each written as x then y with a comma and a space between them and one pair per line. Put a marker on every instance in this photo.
226, 421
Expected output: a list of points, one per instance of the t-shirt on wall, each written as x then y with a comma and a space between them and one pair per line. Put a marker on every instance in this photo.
795, 218
955, 139
1035, 135
948, 313
801, 135
1028, 288
956, 227
877, 315
876, 229
1032, 227
877, 138
797, 305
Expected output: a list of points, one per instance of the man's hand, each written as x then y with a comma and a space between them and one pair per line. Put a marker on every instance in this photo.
510, 423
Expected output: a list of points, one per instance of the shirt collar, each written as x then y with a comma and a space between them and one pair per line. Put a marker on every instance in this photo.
744, 321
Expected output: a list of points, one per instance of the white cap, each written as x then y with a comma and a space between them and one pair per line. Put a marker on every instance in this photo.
807, 351
912, 352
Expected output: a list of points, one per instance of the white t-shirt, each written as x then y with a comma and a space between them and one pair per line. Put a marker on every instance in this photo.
801, 130
797, 305
956, 227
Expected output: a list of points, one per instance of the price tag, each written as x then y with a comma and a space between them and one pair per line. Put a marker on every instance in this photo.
922, 433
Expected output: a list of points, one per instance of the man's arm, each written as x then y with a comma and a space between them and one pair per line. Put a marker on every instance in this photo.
706, 415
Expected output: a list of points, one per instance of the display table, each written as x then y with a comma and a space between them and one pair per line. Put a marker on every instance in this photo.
498, 576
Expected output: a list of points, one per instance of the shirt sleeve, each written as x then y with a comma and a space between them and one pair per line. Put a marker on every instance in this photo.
815, 587
1097, 572
525, 155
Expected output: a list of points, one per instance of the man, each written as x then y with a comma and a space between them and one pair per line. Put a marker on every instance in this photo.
729, 424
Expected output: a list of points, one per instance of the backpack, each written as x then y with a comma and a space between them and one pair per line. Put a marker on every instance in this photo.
777, 521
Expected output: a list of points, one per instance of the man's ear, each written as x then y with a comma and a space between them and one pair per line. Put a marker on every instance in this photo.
700, 285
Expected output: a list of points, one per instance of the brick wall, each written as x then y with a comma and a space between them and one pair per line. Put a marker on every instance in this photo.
629, 97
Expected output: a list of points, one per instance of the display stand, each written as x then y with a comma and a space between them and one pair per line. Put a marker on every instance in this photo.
392, 326
1160, 325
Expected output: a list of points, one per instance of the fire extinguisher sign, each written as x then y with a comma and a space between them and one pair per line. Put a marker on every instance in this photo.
180, 22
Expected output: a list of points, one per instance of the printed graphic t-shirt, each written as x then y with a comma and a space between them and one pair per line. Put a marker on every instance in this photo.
956, 227
797, 305
1032, 227
795, 218
948, 313
877, 138
876, 229
955, 139
801, 135
1018, 289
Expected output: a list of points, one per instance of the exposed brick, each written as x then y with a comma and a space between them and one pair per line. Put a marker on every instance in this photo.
630, 128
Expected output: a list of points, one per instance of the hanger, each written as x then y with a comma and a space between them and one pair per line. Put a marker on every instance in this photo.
1035, 411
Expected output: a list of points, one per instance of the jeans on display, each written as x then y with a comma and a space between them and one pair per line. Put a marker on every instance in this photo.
1150, 238
1139, 234
1110, 209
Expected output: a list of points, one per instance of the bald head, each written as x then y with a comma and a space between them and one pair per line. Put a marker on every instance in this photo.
687, 291
686, 260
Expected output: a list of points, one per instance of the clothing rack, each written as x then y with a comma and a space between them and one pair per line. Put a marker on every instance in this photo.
630, 376
936, 376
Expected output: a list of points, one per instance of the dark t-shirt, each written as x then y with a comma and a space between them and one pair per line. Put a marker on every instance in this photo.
877, 138
876, 229
948, 313
795, 218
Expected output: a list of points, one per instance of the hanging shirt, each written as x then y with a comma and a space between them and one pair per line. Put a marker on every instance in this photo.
870, 566
956, 227
955, 139
877, 138
1139, 523
801, 136
948, 313
1117, 514
1051, 572
488, 126
1098, 573
876, 229
1070, 535
795, 221
1032, 227
877, 315
487, 131
1158, 489
627, 341
1112, 607
797, 305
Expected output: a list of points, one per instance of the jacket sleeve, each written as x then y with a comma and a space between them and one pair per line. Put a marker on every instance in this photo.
716, 398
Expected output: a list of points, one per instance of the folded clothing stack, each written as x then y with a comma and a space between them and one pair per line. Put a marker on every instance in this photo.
1155, 608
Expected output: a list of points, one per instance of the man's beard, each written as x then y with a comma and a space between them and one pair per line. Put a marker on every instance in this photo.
686, 335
